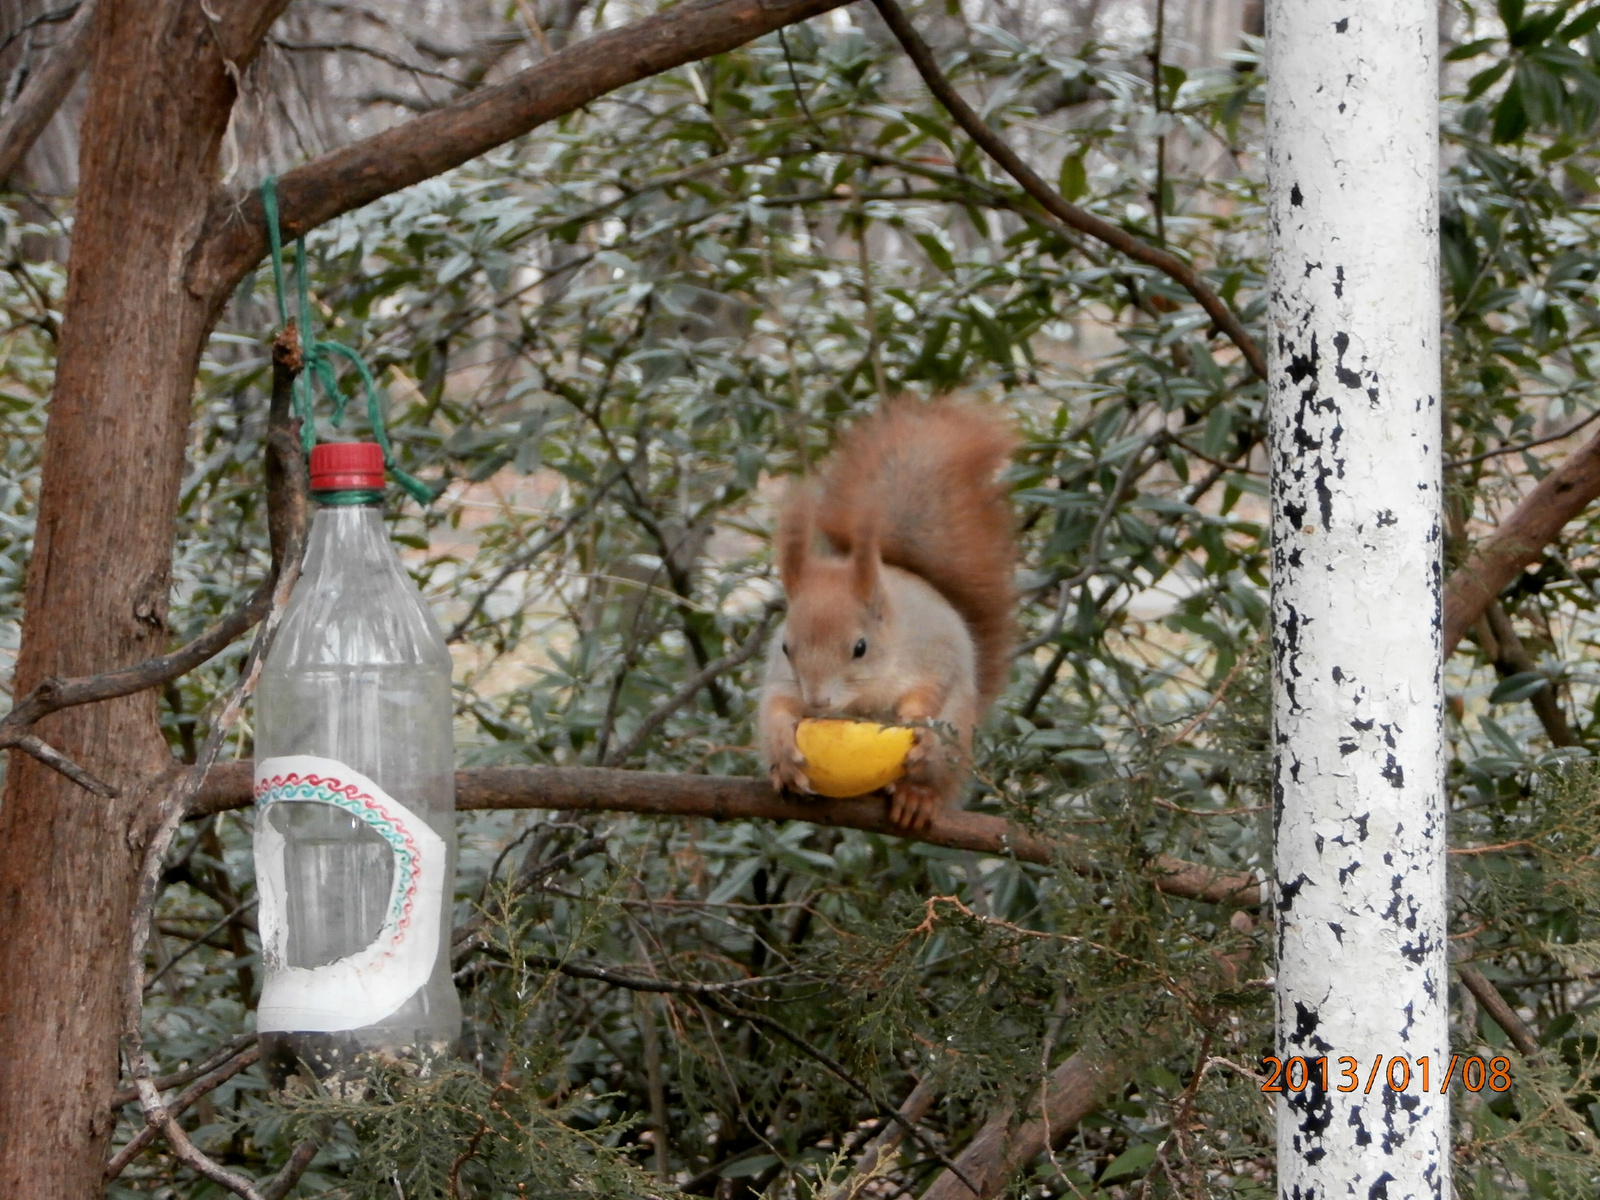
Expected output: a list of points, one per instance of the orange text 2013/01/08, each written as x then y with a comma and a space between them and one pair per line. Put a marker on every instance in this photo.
1397, 1073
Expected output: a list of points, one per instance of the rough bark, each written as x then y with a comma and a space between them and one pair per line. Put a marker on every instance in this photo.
1354, 393
98, 578
723, 798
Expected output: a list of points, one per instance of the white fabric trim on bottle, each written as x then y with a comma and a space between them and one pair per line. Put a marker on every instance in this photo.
363, 988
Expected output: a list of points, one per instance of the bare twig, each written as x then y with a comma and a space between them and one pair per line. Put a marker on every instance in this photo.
1529, 445
761, 1021
640, 983
691, 687
383, 56
289, 1174
469, 935
532, 555
1510, 657
206, 1083
196, 942
159, 1117
1056, 205
1091, 566
238, 1045
42, 750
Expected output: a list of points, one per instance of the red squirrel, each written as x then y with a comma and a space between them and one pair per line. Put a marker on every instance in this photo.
898, 567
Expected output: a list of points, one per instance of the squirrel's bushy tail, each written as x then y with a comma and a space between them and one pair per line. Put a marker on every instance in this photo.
923, 477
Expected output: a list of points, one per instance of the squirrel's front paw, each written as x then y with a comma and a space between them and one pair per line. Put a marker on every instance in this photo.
912, 806
924, 740
788, 773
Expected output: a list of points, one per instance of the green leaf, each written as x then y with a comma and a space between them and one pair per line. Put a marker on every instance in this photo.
753, 1165
1511, 14
1074, 180
1519, 687
1580, 25
937, 252
1498, 735
1484, 80
1470, 50
1537, 29
1510, 117
735, 880
1134, 1161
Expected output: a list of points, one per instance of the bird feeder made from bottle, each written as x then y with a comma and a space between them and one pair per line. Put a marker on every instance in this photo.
355, 798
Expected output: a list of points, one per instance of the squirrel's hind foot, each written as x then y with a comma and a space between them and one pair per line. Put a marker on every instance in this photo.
912, 806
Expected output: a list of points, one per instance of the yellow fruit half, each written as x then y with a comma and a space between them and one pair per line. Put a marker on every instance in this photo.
851, 758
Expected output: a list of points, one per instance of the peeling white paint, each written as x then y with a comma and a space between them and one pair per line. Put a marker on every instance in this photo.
1352, 121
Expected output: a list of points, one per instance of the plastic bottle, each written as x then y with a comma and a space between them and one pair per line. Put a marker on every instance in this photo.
355, 794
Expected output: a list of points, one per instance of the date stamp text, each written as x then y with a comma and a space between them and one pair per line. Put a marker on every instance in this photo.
1398, 1073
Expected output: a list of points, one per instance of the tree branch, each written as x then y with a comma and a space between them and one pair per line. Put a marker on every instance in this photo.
289, 1174
46, 88
761, 1021
178, 1078
206, 1083
997, 1152
1054, 203
726, 798
234, 237
1510, 657
28, 743
286, 518
912, 1109
1521, 538
1495, 1005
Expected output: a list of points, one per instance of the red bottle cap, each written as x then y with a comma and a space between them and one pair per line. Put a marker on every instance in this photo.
347, 466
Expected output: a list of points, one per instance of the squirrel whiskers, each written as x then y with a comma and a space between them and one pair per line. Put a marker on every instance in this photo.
898, 564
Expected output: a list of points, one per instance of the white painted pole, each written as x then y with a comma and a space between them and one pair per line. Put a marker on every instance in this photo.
1352, 138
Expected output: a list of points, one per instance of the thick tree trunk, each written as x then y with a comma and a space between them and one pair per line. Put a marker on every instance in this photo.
97, 582
1352, 118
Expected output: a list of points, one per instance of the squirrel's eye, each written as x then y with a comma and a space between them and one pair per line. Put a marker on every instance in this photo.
786, 649
861, 647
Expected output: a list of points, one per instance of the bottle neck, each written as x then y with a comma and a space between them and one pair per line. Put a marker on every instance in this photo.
353, 526
352, 498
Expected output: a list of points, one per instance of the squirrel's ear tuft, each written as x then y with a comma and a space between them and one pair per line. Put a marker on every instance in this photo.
864, 560
794, 536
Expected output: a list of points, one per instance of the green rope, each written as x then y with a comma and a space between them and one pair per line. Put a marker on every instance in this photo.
318, 364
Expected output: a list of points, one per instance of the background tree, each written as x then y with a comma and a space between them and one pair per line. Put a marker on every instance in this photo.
611, 339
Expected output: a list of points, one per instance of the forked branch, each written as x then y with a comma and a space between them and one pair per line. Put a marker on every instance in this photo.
286, 517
